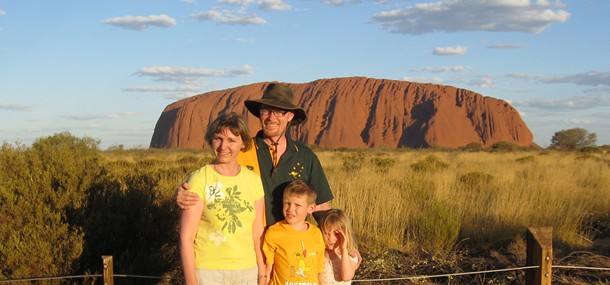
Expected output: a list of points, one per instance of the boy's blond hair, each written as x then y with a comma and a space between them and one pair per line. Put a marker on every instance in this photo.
301, 187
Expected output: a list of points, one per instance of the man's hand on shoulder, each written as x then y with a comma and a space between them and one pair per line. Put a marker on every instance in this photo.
184, 198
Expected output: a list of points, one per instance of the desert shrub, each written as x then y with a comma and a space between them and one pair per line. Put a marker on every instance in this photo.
473, 146
588, 156
526, 159
505, 146
353, 161
131, 217
189, 160
476, 179
419, 191
116, 147
591, 149
430, 163
382, 164
148, 163
435, 228
42, 193
120, 164
544, 152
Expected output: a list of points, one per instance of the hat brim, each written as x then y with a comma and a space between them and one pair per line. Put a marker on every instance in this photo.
254, 107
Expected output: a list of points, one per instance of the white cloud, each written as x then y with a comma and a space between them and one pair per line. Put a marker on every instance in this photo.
139, 23
270, 5
598, 91
483, 82
236, 2
434, 80
2, 13
457, 50
439, 69
177, 96
88, 117
189, 1
14, 107
339, 2
163, 88
574, 103
189, 74
231, 17
591, 78
506, 46
472, 15
578, 121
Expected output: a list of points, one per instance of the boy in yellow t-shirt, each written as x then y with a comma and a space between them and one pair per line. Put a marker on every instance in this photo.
294, 248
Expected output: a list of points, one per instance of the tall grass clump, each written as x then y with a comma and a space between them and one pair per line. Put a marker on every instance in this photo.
434, 228
490, 197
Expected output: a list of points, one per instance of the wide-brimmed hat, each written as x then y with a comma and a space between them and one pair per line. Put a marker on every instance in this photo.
277, 96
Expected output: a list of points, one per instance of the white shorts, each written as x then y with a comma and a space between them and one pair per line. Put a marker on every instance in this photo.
227, 277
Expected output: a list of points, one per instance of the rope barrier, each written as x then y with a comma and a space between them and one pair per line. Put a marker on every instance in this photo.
581, 267
50, 278
145, 277
353, 281
86, 276
446, 275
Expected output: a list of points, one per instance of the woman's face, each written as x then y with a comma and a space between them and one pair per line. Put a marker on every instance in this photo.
226, 146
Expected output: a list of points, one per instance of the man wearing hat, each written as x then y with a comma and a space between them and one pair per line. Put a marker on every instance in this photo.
275, 156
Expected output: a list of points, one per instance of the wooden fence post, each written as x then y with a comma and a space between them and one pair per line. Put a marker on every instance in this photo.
108, 271
539, 253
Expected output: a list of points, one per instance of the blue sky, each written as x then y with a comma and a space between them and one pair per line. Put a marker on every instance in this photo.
107, 69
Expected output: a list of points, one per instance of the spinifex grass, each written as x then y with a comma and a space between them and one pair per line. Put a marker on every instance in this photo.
432, 200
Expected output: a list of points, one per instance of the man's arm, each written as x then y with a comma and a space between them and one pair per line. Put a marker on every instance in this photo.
184, 198
320, 210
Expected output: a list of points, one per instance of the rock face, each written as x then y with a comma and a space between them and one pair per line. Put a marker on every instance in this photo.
358, 112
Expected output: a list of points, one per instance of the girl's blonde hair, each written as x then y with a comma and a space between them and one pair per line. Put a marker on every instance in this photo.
336, 218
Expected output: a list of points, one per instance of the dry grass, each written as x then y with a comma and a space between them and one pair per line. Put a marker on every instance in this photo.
437, 204
433, 212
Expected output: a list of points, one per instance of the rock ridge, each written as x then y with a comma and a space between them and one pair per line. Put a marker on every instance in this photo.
358, 112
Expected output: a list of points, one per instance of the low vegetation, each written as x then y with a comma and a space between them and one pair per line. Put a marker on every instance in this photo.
64, 203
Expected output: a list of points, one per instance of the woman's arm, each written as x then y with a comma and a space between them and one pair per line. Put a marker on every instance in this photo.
189, 223
258, 227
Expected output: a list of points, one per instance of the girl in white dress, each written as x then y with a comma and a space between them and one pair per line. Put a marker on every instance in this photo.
341, 258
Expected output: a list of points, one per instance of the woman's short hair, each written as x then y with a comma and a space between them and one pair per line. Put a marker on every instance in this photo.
232, 122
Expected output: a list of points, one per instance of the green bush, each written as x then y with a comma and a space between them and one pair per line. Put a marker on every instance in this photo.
430, 163
42, 192
505, 146
591, 149
476, 179
382, 164
473, 146
353, 161
436, 227
526, 159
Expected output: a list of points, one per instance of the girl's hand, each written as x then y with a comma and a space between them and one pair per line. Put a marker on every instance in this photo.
341, 239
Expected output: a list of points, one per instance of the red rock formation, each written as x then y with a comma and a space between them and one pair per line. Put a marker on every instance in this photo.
359, 112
